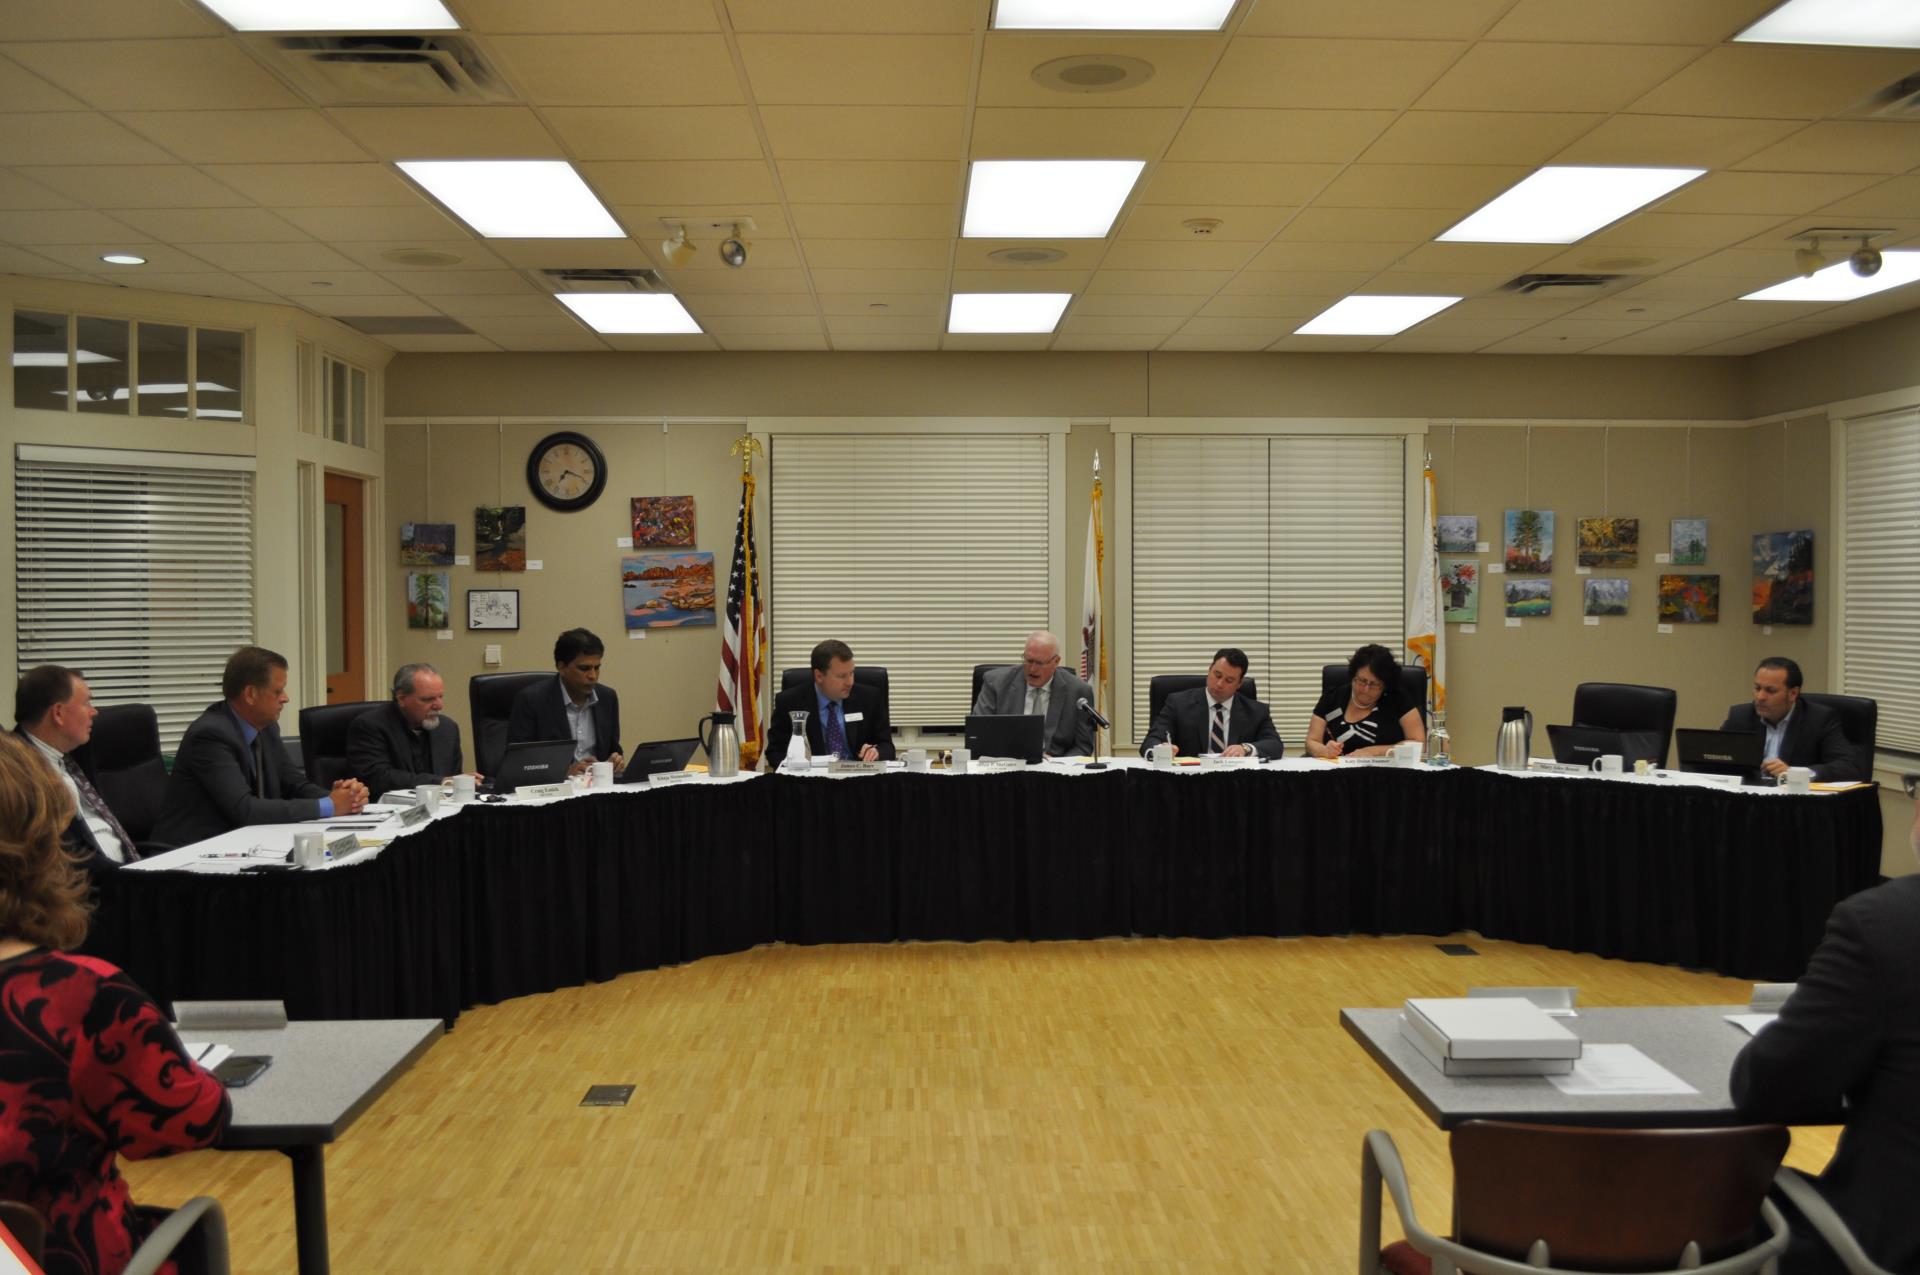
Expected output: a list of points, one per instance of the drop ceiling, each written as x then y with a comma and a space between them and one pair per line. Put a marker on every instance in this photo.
1331, 141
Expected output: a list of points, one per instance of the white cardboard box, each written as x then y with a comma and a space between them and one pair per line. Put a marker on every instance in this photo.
1489, 1027
1482, 1066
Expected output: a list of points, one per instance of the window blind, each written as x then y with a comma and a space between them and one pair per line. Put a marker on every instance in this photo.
137, 569
1291, 548
1881, 582
926, 553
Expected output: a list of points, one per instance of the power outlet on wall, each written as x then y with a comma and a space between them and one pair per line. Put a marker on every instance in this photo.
492, 656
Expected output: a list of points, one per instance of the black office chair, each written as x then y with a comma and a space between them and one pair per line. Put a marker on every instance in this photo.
1165, 684
123, 758
980, 672
323, 739
1413, 683
1859, 722
874, 675
1644, 712
490, 699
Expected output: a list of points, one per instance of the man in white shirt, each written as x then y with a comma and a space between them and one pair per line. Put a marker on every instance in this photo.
1039, 687
53, 709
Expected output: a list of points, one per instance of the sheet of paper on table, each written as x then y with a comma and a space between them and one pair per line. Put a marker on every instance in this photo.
1751, 1024
1610, 1070
207, 1055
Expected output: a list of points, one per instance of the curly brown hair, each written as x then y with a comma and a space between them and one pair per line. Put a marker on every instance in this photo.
43, 890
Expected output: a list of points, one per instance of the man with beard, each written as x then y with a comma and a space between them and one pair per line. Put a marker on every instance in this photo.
407, 742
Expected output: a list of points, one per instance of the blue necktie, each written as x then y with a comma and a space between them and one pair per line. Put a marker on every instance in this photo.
836, 734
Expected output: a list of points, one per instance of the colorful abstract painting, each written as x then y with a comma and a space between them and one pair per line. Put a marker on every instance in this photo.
1460, 590
500, 538
1606, 597
426, 544
1689, 599
1689, 542
1529, 541
427, 594
662, 521
667, 590
1529, 599
1456, 533
1609, 542
1783, 577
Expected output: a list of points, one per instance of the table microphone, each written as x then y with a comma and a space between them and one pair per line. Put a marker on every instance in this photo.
1099, 721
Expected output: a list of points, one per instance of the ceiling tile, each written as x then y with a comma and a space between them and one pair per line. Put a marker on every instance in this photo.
1256, 307
1145, 304
1463, 186
1553, 77
900, 304
1329, 137
1747, 316
1626, 305
582, 339
1782, 193
349, 225
161, 259
271, 256
316, 185
1621, 258
1106, 341
472, 253
645, 220
139, 186
1003, 132
620, 70
1698, 291
736, 281
20, 261
1433, 283
1467, 334
200, 284
1326, 344
857, 221
22, 90
854, 16
1080, 324
573, 254
889, 254
1295, 283
959, 341
511, 331
1021, 279
1288, 255
212, 225
1512, 305
1675, 140
717, 181
1377, 19
1896, 197
67, 226
448, 132
775, 254
17, 191
317, 283
1757, 265
900, 342
819, 181
420, 344
1167, 254
877, 280
1652, 21
587, 17
391, 305
449, 283
1180, 65
1368, 225
1162, 283
1510, 257
526, 305
1230, 334
1564, 336
124, 19
689, 344
244, 137
1167, 221
1776, 81
1234, 184
856, 132
1476, 137
762, 325
155, 75
880, 70
1348, 74
61, 138
656, 132
791, 341
1701, 230
976, 254
1843, 146
718, 303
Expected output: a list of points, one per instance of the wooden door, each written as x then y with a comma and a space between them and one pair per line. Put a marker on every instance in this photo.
346, 589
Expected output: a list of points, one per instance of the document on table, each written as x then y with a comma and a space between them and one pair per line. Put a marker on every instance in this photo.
1752, 1024
207, 1055
1607, 1071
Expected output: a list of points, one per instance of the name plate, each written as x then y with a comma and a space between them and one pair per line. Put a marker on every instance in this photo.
543, 790
839, 767
668, 778
1560, 767
412, 815
1366, 761
345, 844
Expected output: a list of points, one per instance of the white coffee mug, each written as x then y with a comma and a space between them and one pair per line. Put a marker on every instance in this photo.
961, 756
1799, 779
1163, 755
916, 759
429, 795
462, 788
1609, 763
603, 774
309, 847
1405, 753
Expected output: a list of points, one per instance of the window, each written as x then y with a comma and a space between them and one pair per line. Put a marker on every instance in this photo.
926, 553
118, 367
1880, 583
345, 411
137, 568
101, 371
40, 360
1289, 547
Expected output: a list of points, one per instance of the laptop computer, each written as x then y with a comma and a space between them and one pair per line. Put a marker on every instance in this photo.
1006, 735
662, 756
1579, 745
1722, 752
533, 761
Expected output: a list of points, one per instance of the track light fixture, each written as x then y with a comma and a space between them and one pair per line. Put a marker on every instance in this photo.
734, 251
1808, 260
678, 250
1865, 260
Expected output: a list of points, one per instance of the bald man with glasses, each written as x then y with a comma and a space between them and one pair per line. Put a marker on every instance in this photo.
1039, 687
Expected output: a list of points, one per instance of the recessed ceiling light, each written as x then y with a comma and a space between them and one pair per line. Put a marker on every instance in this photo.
1882, 24
334, 15
619, 313
516, 198
1006, 311
1838, 282
1564, 204
1373, 316
1111, 15
122, 259
1047, 198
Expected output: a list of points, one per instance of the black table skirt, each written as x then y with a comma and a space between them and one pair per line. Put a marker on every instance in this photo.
503, 902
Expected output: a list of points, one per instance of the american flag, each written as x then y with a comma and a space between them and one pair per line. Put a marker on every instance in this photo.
742, 663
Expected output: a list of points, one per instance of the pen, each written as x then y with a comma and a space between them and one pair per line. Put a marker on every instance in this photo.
226, 854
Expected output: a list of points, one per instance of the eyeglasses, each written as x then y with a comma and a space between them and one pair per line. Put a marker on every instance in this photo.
1912, 784
1368, 684
1051, 659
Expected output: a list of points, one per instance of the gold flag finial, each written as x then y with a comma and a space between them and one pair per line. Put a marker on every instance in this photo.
744, 447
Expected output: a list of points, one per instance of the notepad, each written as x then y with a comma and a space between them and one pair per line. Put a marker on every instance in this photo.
1608, 1071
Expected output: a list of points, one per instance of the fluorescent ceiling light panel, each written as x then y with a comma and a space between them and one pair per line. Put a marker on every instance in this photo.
1838, 282
1879, 24
54, 358
1567, 203
1047, 198
1111, 15
1006, 311
334, 15
516, 198
625, 313
1373, 316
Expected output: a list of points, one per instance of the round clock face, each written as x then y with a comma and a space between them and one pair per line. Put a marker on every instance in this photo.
566, 471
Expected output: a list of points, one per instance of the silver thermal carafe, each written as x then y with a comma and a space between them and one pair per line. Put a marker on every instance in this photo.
1516, 739
723, 750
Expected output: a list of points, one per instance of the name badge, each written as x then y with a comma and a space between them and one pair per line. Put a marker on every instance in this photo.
856, 717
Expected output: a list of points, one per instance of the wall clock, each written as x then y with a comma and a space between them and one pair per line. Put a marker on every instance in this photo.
566, 471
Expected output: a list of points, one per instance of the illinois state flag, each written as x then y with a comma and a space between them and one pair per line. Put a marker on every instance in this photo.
743, 635
1093, 638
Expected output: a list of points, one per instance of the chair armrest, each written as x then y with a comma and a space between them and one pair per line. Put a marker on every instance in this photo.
1820, 1215
202, 1213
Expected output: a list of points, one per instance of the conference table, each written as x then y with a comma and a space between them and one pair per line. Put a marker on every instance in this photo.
488, 902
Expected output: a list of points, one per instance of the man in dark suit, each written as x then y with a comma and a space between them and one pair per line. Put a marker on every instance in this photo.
573, 706
1216, 718
232, 768
843, 718
408, 742
1038, 686
1796, 733
53, 711
1851, 1033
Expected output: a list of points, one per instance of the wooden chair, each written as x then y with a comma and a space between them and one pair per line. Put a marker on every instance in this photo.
1533, 1199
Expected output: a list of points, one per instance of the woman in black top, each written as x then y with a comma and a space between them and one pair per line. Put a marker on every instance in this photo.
1369, 714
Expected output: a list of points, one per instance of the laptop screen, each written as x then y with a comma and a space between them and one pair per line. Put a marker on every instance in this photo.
1720, 752
534, 761
1008, 735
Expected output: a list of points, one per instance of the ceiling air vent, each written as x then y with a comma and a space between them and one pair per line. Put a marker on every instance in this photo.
1898, 101
405, 325
1560, 285
383, 70
609, 279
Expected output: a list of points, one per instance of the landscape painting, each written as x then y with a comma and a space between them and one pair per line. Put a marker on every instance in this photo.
1689, 599
1529, 542
667, 590
1609, 542
660, 521
427, 594
1689, 542
1460, 590
1783, 577
1606, 597
500, 538
1457, 533
426, 544
1529, 599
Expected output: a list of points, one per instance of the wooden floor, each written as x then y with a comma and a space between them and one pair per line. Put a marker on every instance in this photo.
1130, 1105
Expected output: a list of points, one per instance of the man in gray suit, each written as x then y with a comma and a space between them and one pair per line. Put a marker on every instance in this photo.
1038, 686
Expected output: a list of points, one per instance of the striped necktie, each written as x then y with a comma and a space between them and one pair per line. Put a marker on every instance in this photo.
1217, 736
